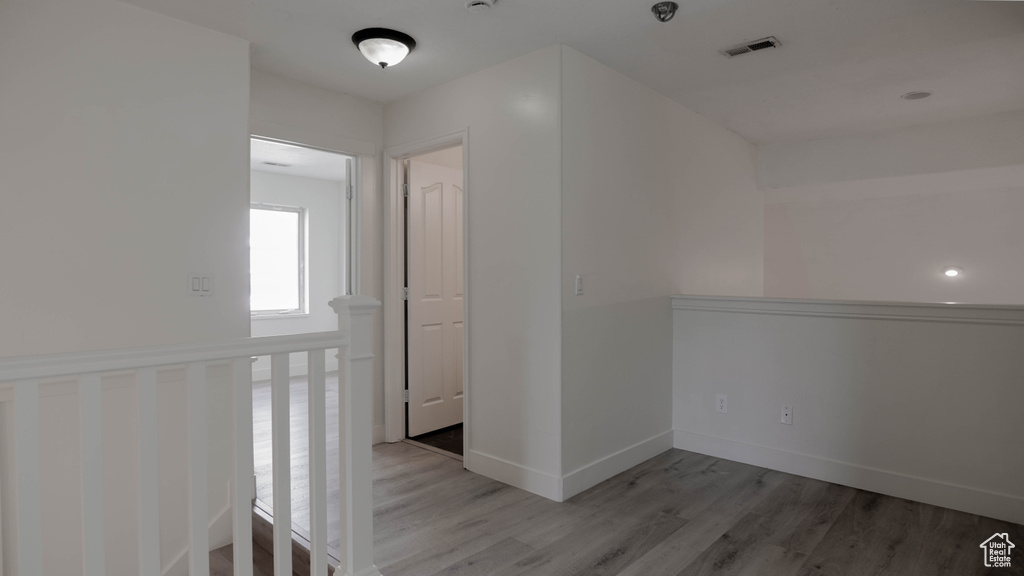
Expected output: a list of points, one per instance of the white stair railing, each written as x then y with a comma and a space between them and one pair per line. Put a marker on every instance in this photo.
355, 433
24, 376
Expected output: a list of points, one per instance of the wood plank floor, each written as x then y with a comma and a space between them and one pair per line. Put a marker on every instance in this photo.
678, 514
299, 443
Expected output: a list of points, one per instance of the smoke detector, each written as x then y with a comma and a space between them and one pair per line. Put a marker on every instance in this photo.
769, 42
480, 6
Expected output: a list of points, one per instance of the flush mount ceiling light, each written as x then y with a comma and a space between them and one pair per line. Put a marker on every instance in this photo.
664, 11
382, 46
479, 6
952, 272
915, 95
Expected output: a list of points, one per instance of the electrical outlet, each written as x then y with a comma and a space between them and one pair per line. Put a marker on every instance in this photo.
721, 403
787, 415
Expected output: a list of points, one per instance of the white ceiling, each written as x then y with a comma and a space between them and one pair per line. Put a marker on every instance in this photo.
297, 160
842, 66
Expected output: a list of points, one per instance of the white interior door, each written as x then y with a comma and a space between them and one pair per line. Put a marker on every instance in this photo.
435, 329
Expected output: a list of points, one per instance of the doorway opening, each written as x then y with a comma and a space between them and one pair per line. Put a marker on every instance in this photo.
427, 328
302, 218
435, 330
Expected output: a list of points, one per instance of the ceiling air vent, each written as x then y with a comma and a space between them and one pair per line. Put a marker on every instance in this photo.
769, 42
280, 164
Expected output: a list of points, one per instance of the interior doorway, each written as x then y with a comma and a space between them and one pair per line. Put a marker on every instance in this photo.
435, 330
426, 322
303, 207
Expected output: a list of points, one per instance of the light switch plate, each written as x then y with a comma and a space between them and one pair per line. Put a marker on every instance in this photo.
199, 284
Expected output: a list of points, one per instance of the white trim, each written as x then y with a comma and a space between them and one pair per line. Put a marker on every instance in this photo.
316, 140
602, 469
985, 503
302, 225
394, 255
355, 152
354, 226
909, 311
529, 479
277, 315
393, 356
44, 367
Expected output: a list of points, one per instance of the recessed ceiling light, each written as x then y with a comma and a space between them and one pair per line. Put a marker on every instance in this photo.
952, 271
383, 46
915, 95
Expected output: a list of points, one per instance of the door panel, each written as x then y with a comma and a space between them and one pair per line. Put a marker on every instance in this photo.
435, 297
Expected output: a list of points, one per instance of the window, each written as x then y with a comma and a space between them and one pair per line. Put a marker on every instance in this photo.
277, 259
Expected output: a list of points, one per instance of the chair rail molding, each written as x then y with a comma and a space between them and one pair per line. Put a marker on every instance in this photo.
877, 310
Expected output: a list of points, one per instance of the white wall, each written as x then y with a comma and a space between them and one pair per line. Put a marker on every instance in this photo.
895, 248
921, 402
877, 217
990, 141
123, 167
286, 110
325, 204
655, 200
511, 112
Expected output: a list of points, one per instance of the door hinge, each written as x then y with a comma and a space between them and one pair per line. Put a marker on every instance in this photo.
348, 193
405, 293
405, 395
405, 190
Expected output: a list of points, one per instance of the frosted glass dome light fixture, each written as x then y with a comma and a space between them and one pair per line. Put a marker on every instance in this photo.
952, 272
382, 46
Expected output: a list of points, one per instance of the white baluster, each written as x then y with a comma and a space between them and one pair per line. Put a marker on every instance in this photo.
199, 515
355, 317
26, 466
90, 413
149, 472
241, 369
281, 434
317, 464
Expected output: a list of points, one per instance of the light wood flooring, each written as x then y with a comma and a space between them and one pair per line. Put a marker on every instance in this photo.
680, 513
299, 443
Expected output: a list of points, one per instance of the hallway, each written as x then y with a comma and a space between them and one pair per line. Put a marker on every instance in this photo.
680, 513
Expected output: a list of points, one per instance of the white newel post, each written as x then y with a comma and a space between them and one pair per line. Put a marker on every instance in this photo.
355, 429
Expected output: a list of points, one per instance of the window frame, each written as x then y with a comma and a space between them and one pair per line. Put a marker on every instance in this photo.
303, 279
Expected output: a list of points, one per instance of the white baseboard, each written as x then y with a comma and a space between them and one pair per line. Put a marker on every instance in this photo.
600, 470
966, 499
535, 481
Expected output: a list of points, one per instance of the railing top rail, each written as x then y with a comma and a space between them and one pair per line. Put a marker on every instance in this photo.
60, 365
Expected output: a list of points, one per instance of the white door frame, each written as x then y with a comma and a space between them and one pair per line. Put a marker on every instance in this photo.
394, 262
